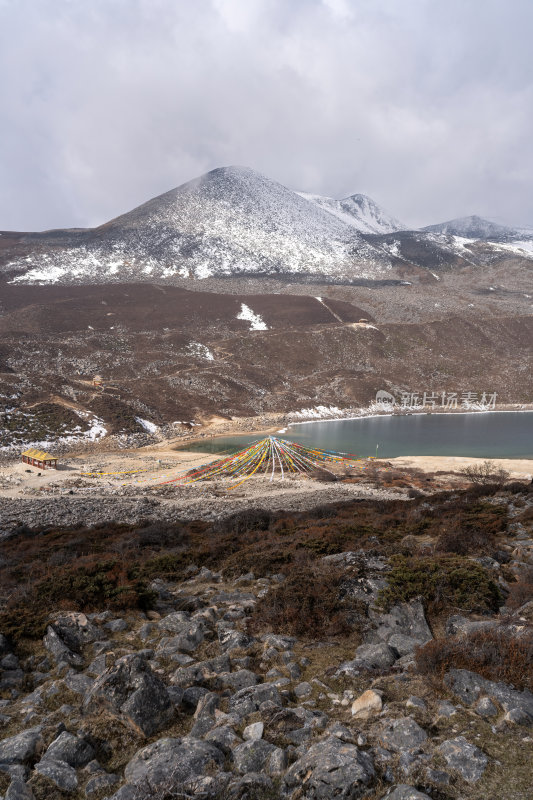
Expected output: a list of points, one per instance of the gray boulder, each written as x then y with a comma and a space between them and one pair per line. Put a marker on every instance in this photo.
73, 750
369, 657
402, 734
176, 760
230, 639
67, 635
187, 633
457, 624
62, 774
470, 686
19, 790
404, 627
253, 756
59, 651
467, 759
99, 782
248, 700
224, 738
130, 690
404, 792
239, 679
331, 768
21, 748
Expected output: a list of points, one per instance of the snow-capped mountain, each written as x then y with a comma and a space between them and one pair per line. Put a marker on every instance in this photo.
228, 222
475, 227
359, 211
235, 222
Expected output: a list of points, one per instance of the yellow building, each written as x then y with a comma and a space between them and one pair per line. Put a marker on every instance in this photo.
38, 458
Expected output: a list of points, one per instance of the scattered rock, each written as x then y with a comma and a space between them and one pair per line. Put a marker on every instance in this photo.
248, 700
253, 731
367, 704
402, 734
404, 792
21, 748
62, 774
176, 760
465, 758
369, 657
73, 750
331, 768
469, 686
131, 690
253, 756
19, 790
485, 707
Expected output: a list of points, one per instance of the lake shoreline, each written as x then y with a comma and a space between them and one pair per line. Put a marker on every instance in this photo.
456, 434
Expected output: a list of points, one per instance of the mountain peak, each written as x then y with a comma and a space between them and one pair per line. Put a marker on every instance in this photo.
360, 212
472, 227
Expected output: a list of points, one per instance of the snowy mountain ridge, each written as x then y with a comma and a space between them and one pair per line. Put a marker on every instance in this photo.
474, 227
359, 211
234, 222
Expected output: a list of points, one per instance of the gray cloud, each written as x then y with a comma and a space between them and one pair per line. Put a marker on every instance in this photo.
426, 106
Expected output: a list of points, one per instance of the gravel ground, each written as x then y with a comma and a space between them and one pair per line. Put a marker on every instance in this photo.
208, 501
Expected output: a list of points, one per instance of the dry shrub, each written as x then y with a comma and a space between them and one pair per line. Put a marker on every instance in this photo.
307, 603
89, 587
324, 475
521, 591
444, 582
486, 472
495, 654
461, 542
473, 530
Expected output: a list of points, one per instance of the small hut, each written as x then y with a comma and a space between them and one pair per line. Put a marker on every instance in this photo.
98, 381
38, 458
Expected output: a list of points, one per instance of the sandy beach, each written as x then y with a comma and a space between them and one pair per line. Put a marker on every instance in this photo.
517, 468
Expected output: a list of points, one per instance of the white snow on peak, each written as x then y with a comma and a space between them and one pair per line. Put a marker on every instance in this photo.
472, 227
358, 211
229, 221
256, 320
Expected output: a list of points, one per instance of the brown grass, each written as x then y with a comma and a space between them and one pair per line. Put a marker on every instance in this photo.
495, 654
307, 603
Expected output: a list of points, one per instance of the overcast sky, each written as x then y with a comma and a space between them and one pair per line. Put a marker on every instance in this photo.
425, 105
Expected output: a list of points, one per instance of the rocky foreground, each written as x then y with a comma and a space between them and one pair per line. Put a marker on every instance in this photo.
200, 697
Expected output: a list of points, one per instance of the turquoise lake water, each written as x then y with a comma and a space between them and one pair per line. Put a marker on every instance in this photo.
494, 434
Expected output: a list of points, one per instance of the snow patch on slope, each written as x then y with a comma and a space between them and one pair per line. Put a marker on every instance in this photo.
148, 426
256, 320
200, 351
